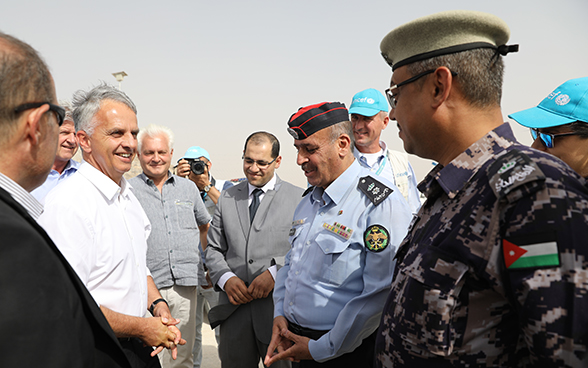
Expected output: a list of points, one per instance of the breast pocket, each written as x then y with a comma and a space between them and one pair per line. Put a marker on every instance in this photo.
426, 306
339, 259
185, 214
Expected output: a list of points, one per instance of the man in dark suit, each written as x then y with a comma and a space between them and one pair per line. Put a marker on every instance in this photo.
49, 318
247, 242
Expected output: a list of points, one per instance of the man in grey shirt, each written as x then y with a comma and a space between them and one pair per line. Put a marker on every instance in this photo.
179, 221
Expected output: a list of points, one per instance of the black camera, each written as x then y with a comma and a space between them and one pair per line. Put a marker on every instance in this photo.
198, 167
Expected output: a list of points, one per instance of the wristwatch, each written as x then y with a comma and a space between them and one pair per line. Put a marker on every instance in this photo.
207, 188
152, 307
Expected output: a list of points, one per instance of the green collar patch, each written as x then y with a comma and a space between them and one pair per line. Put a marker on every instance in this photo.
376, 238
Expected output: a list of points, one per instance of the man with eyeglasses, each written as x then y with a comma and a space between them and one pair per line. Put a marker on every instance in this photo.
330, 293
563, 113
64, 165
247, 242
49, 319
493, 269
369, 116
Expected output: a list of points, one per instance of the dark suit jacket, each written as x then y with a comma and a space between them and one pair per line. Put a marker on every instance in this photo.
247, 249
48, 319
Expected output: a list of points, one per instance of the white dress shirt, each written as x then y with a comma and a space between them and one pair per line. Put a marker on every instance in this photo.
20, 195
102, 231
268, 186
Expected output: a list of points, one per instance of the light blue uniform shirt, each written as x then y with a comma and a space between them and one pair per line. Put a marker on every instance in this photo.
337, 284
53, 179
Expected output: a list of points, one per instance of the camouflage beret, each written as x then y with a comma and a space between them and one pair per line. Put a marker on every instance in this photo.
445, 33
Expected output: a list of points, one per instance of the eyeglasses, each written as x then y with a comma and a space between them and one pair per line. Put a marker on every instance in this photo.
546, 138
392, 97
58, 110
260, 164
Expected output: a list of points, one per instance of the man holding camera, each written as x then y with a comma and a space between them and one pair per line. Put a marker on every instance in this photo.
196, 165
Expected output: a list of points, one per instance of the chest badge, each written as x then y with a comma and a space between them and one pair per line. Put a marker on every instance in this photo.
376, 238
341, 230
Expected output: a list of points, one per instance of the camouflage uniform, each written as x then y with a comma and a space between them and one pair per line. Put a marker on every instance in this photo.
457, 300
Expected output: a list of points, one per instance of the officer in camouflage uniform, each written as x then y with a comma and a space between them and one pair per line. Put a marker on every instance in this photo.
493, 270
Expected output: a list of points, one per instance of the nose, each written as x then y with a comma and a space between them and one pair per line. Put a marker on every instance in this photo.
129, 141
300, 159
537, 144
391, 114
71, 139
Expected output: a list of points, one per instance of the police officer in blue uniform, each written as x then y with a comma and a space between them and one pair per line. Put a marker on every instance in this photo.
329, 295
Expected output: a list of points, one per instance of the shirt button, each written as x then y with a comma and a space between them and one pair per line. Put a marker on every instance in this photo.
291, 303
308, 242
327, 249
171, 251
297, 272
250, 261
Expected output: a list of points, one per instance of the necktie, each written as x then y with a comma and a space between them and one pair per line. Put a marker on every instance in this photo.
254, 203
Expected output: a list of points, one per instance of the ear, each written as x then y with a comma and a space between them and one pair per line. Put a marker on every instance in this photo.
344, 144
34, 124
385, 121
84, 141
278, 161
443, 81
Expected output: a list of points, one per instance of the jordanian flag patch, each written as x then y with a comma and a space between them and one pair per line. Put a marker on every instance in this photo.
541, 253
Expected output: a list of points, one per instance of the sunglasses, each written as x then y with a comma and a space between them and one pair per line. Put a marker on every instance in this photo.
546, 138
58, 110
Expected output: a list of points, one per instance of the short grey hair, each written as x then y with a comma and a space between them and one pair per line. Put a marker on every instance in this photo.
87, 104
66, 104
344, 127
153, 131
479, 74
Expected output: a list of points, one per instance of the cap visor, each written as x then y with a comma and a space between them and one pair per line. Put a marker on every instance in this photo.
363, 111
536, 117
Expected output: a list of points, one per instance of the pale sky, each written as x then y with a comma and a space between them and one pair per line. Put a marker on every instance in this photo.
216, 71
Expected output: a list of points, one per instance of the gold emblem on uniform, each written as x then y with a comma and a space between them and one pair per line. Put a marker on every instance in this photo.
376, 238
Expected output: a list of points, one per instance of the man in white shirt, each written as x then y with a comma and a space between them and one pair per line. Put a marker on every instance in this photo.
100, 227
63, 166
369, 116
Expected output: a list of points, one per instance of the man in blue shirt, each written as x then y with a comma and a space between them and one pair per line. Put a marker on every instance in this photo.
329, 295
64, 165
179, 222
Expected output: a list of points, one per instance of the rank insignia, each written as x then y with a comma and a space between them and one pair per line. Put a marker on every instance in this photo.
373, 189
298, 222
376, 238
341, 230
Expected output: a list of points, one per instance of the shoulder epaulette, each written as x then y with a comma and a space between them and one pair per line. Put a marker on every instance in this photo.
373, 189
512, 170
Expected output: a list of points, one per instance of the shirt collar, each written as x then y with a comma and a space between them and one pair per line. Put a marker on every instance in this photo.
453, 177
103, 183
337, 190
147, 180
21, 196
361, 156
270, 185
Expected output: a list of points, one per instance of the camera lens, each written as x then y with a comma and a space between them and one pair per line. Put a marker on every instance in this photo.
197, 167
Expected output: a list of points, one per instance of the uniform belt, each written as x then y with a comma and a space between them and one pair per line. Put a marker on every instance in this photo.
306, 332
